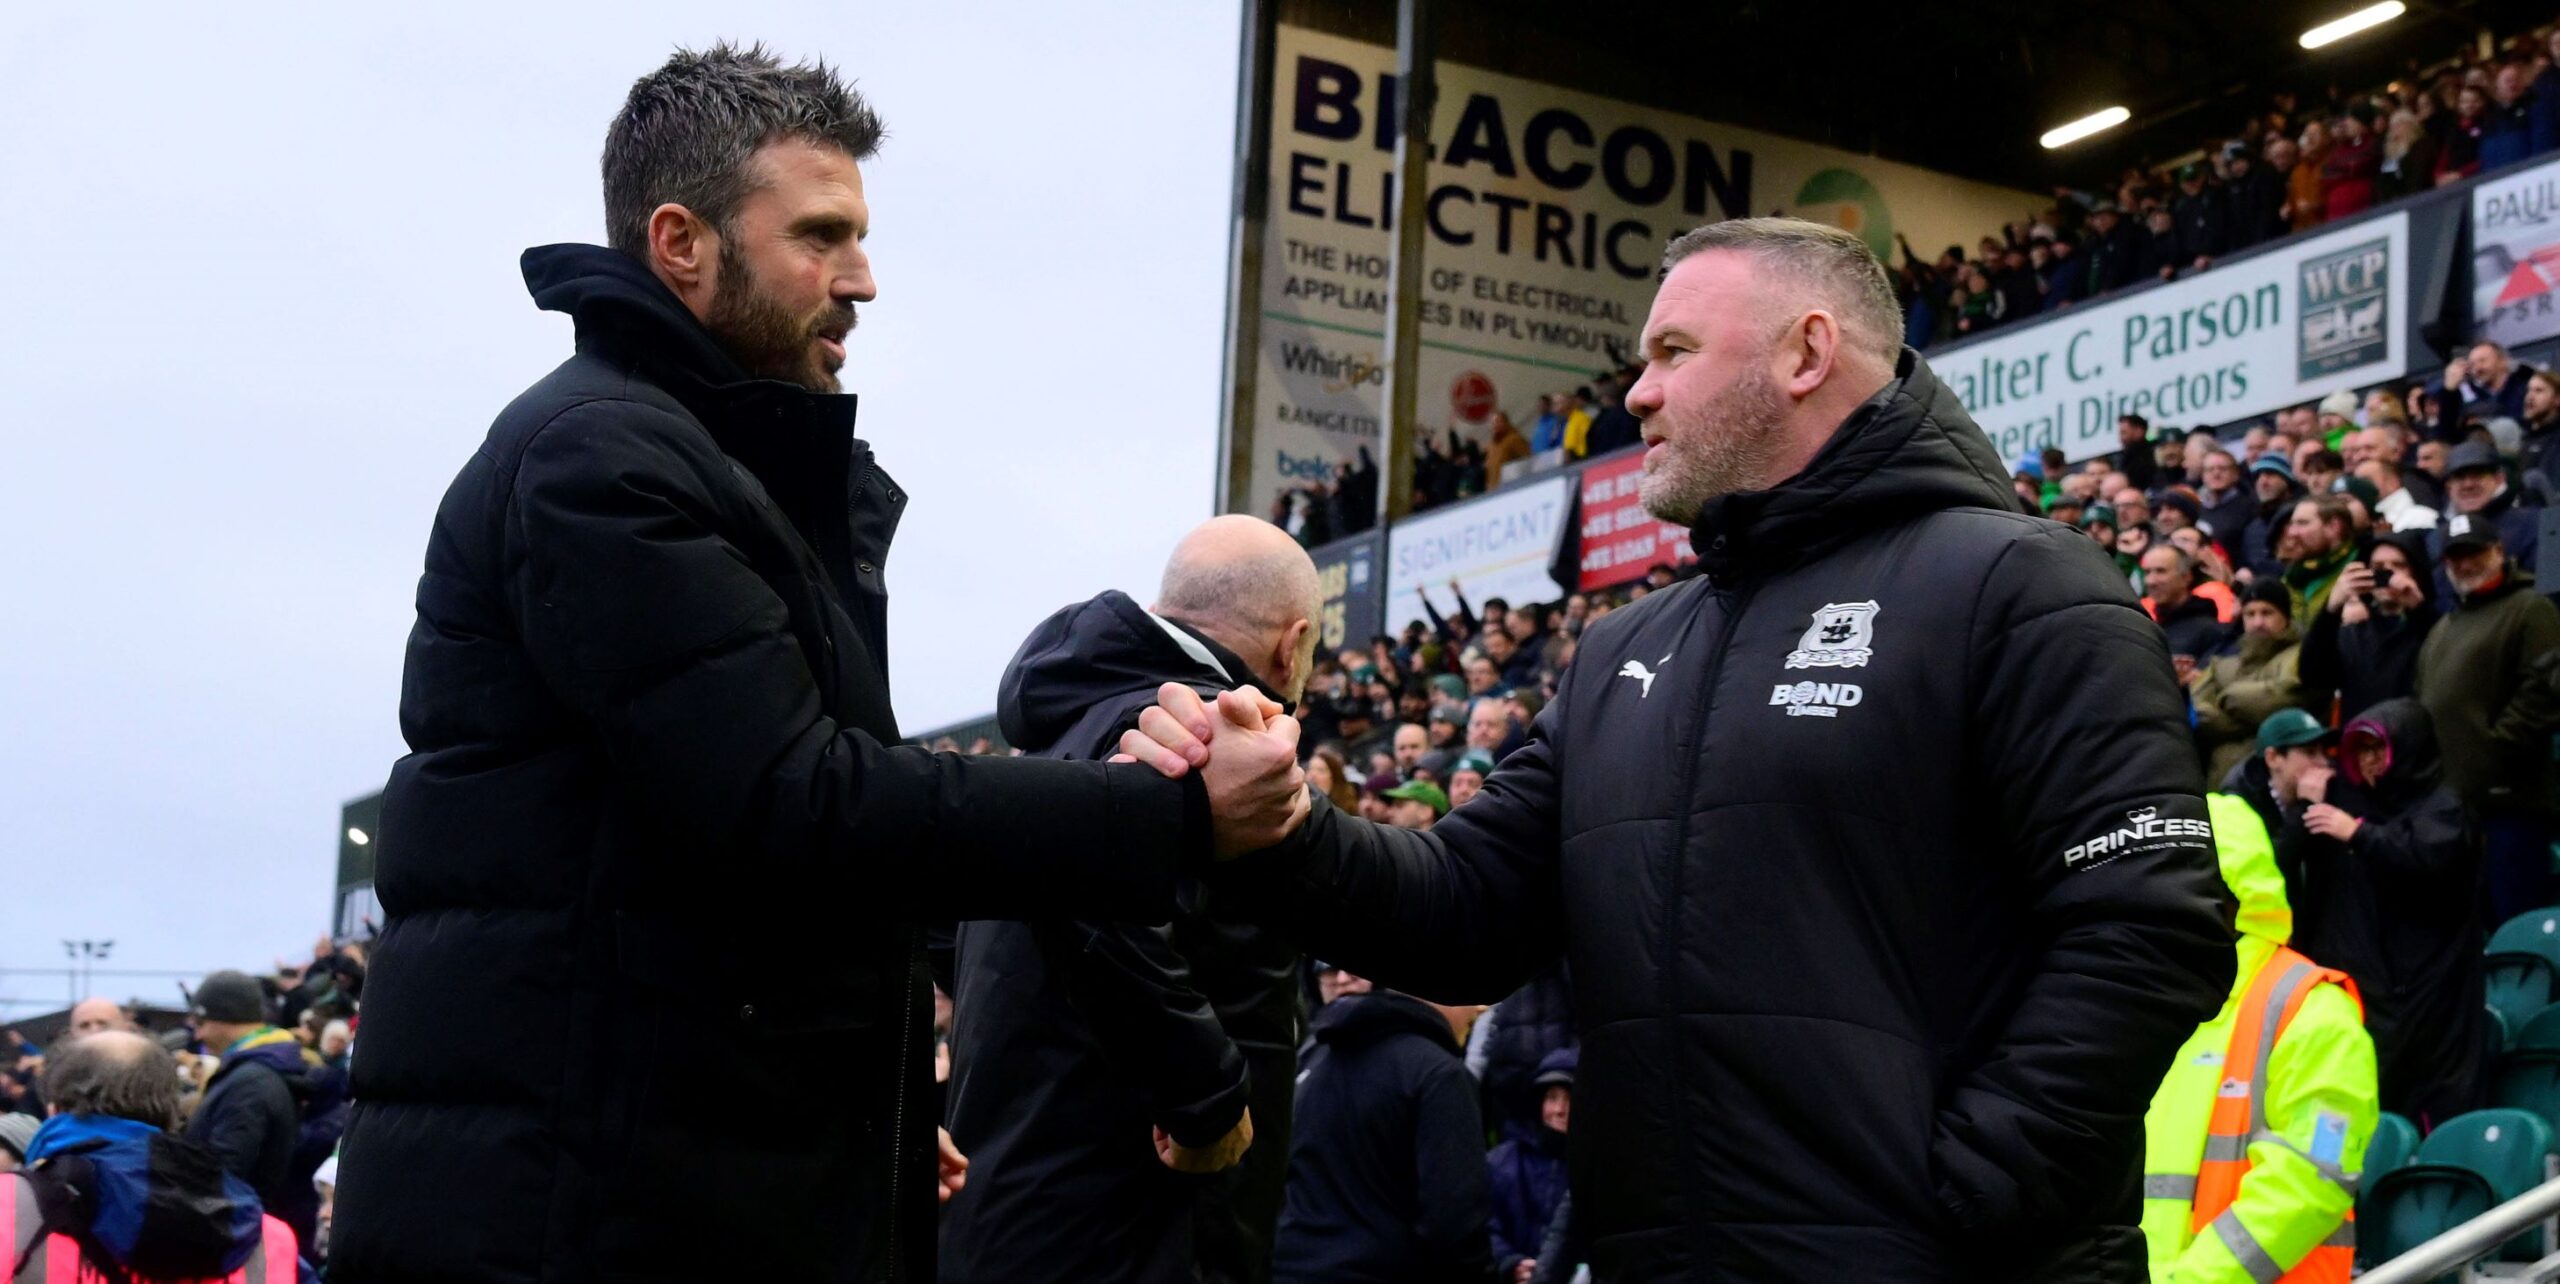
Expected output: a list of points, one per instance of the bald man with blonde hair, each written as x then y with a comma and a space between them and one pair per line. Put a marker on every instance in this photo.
1123, 1091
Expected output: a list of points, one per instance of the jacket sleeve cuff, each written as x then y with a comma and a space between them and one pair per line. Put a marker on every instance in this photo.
1199, 829
1153, 823
1201, 1123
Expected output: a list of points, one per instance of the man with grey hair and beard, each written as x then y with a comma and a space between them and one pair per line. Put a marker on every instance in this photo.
1100, 1071
1885, 920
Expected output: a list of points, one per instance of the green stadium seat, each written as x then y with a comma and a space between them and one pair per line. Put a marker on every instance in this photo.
2541, 1030
2520, 986
2528, 1079
2415, 1203
2509, 1149
2395, 1141
2532, 932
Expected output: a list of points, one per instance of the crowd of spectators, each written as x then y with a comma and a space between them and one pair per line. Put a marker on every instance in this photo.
261, 1069
2299, 163
2347, 591
2296, 165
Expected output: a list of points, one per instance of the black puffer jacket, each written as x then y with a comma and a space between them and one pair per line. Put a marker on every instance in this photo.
647, 1004
1884, 922
1071, 1039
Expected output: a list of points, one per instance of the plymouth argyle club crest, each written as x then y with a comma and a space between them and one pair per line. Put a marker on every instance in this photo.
1843, 636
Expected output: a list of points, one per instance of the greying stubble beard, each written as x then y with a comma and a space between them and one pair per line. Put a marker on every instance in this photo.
766, 340
1728, 445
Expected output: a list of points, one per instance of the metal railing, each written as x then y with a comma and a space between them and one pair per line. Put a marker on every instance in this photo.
2473, 1239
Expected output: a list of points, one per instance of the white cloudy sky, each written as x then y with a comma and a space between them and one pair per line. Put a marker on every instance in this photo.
263, 301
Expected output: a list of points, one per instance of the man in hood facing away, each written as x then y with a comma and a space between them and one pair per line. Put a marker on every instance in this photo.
1102, 1072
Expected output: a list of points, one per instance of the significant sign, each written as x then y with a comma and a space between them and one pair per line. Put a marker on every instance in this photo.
2244, 339
1502, 545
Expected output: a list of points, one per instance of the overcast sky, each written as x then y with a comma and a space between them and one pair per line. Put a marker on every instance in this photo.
263, 302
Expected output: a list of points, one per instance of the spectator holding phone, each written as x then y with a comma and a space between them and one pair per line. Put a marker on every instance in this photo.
2364, 642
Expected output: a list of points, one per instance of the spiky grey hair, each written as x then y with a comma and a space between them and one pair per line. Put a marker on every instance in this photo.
689, 131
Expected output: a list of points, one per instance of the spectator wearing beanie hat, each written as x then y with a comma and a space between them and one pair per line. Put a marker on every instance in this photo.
247, 1116
2276, 486
1373, 796
2235, 693
2181, 502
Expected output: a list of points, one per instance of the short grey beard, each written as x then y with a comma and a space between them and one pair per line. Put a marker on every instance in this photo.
1735, 449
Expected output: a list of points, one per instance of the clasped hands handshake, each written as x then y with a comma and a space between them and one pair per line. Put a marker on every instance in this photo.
1246, 751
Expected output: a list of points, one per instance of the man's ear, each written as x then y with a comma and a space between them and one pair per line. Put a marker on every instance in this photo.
683, 250
1811, 348
1284, 661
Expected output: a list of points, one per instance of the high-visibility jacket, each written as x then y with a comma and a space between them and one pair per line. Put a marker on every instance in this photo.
2256, 1136
42, 1258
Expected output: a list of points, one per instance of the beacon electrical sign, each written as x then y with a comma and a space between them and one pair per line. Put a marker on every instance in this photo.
2232, 343
1545, 220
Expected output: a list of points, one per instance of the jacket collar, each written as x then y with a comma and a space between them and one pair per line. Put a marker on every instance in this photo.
2508, 583
800, 445
625, 314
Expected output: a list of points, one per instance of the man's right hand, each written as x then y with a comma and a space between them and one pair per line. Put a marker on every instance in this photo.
1247, 753
2353, 582
1217, 1155
2313, 783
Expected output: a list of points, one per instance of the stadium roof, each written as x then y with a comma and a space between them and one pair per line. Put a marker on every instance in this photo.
1962, 88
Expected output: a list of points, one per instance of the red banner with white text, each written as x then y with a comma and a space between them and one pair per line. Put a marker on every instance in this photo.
1619, 538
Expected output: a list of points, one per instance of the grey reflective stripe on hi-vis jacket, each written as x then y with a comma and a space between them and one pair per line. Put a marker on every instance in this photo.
2245, 1248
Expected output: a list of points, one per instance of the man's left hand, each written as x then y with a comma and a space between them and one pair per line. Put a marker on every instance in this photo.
2313, 783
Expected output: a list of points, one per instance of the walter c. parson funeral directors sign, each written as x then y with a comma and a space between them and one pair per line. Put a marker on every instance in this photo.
2230, 343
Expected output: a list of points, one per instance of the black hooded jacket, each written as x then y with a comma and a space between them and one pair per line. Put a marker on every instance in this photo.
649, 1002
1883, 923
2397, 907
2376, 660
250, 1118
1387, 1176
1071, 1039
